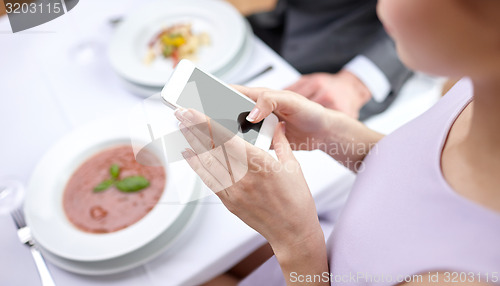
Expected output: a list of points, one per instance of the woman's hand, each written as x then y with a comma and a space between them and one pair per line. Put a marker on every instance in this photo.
310, 126
307, 123
269, 195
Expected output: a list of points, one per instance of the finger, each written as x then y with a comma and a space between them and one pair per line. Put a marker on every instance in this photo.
207, 136
304, 86
320, 96
217, 169
235, 151
209, 132
190, 116
209, 170
295, 86
236, 154
279, 102
309, 90
195, 142
195, 164
263, 104
192, 120
197, 139
281, 145
252, 92
325, 98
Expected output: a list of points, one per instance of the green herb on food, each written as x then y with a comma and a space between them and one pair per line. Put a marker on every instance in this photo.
132, 184
114, 171
129, 184
103, 186
167, 51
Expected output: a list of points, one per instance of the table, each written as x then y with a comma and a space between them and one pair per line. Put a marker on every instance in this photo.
56, 77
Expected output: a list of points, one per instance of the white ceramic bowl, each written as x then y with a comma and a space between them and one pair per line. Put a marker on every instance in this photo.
43, 204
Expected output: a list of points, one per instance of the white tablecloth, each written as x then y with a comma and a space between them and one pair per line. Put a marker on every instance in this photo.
56, 77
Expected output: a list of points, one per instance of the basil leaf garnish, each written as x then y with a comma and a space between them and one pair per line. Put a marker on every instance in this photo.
128, 185
132, 184
103, 186
114, 170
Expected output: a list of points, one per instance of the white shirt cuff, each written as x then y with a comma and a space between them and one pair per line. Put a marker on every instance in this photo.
371, 75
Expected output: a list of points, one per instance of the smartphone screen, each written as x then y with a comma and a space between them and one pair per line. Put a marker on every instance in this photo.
220, 103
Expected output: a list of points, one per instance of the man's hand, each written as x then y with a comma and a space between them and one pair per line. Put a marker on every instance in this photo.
342, 91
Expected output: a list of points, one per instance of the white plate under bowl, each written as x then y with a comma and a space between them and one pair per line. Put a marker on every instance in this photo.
135, 258
43, 204
128, 47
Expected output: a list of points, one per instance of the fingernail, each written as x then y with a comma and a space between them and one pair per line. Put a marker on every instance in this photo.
253, 115
185, 154
181, 126
184, 114
283, 127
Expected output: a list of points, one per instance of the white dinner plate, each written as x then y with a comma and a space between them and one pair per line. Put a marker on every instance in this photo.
135, 258
128, 47
241, 58
43, 204
224, 74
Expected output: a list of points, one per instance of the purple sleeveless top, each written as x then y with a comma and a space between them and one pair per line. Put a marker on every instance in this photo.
402, 218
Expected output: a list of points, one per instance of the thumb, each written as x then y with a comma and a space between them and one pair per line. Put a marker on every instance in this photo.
281, 144
264, 102
267, 102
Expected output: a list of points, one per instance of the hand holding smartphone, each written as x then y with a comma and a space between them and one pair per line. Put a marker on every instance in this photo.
190, 87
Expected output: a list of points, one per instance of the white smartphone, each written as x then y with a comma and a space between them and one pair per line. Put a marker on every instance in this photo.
190, 87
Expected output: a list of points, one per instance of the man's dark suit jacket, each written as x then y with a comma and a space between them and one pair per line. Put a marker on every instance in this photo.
324, 35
